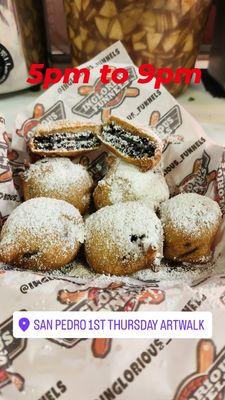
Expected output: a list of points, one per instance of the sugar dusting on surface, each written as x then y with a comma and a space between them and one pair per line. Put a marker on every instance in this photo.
191, 213
132, 226
147, 130
176, 272
66, 124
44, 221
128, 182
166, 276
58, 174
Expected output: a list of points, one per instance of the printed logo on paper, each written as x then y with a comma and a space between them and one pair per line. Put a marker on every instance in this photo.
40, 115
6, 63
3, 218
207, 382
222, 296
98, 167
101, 98
220, 185
5, 170
200, 178
10, 349
167, 124
116, 297
6, 155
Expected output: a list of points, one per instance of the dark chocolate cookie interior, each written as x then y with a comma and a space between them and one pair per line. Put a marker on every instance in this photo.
126, 142
66, 141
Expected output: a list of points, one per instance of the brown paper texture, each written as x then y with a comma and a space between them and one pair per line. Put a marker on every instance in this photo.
124, 369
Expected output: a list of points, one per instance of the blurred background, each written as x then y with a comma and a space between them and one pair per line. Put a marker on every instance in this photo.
165, 33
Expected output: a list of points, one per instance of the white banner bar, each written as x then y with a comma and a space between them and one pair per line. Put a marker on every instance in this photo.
136, 325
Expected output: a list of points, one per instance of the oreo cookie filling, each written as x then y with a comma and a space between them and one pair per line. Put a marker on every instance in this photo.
66, 141
126, 142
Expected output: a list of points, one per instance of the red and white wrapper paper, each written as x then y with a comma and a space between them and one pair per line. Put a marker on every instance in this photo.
105, 369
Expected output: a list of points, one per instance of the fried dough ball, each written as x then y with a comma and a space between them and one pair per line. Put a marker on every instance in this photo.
42, 234
125, 182
58, 178
123, 238
190, 223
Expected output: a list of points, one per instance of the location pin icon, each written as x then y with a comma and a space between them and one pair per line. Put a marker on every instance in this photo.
24, 324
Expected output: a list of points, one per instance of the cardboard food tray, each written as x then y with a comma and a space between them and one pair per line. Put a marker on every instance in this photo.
103, 369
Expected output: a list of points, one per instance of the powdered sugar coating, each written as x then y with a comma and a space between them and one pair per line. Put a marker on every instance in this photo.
64, 137
59, 178
127, 182
130, 142
141, 128
132, 227
191, 213
42, 224
57, 173
63, 124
